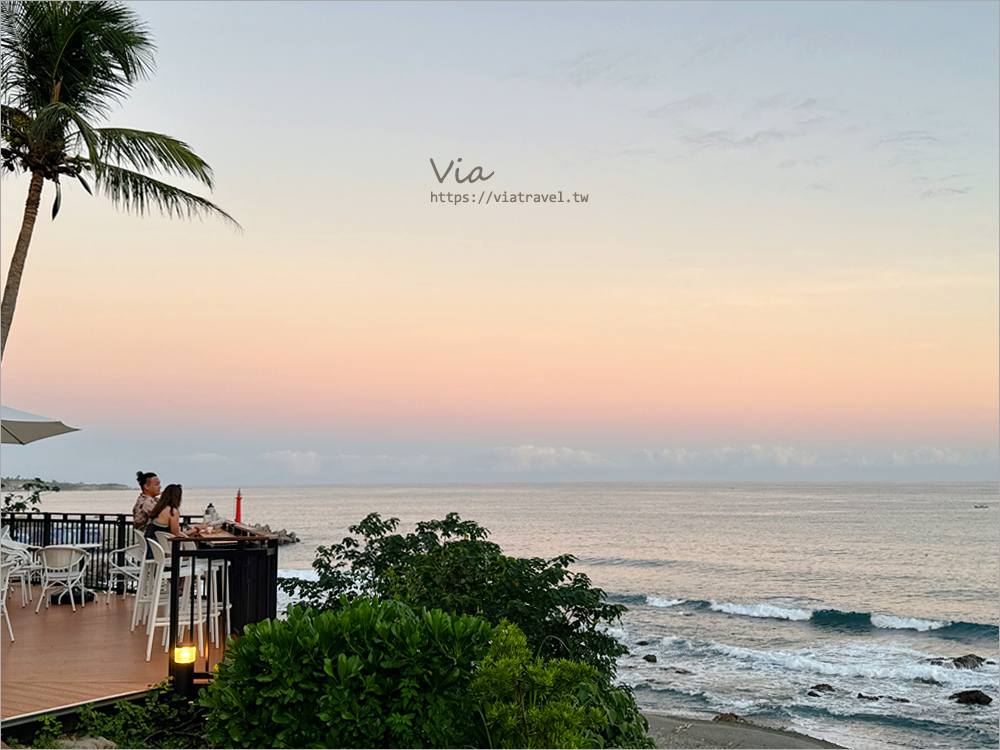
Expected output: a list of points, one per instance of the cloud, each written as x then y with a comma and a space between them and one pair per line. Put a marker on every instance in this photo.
716, 48
787, 101
298, 463
753, 456
907, 137
938, 192
725, 140
598, 66
935, 187
693, 103
911, 149
545, 458
927, 456
815, 162
788, 457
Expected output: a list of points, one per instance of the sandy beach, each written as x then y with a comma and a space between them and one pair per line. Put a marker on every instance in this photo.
674, 732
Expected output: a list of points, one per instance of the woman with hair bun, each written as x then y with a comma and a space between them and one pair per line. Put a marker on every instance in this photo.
149, 483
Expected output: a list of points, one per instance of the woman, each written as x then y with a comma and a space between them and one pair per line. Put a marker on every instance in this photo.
165, 515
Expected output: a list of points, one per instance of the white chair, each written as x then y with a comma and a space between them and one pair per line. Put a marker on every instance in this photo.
129, 570
27, 566
216, 608
62, 569
149, 578
5, 571
163, 538
219, 606
159, 606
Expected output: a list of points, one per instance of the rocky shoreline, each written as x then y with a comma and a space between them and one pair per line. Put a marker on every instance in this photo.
730, 730
284, 536
725, 730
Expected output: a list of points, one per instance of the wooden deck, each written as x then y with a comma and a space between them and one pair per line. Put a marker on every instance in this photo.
61, 658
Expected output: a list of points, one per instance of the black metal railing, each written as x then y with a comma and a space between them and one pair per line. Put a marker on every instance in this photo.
98, 533
240, 578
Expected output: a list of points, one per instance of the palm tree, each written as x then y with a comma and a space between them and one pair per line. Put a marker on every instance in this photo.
64, 64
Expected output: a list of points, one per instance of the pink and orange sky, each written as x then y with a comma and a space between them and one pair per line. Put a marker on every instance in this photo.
787, 265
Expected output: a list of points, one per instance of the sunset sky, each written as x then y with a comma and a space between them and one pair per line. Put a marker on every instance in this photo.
786, 266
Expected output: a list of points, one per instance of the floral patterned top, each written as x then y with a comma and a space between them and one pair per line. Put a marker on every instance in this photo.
141, 511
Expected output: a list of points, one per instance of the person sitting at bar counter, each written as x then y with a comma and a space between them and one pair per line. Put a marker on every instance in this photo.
149, 483
166, 516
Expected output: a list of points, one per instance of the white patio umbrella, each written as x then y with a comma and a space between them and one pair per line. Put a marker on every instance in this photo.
22, 428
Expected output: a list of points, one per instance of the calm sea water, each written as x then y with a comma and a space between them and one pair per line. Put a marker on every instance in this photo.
746, 594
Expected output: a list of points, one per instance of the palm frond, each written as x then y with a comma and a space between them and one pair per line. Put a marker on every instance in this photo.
137, 193
52, 122
14, 122
152, 152
86, 54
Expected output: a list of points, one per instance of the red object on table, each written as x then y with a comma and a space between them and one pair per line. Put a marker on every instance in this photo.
239, 500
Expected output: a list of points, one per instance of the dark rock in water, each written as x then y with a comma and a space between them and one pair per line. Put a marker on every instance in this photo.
729, 719
990, 661
971, 698
814, 694
651, 658
678, 670
969, 661
864, 697
897, 700
928, 681
642, 643
284, 536
823, 688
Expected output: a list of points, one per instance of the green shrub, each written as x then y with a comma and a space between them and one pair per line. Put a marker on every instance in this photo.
48, 733
527, 702
164, 719
366, 675
27, 498
448, 564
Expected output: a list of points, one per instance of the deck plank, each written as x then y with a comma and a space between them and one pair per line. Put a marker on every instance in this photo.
60, 657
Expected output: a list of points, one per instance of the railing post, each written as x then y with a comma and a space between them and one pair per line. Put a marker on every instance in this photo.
122, 528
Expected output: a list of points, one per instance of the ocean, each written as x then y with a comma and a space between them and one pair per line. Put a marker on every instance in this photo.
748, 595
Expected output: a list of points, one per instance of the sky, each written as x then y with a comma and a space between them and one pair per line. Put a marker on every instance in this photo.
786, 266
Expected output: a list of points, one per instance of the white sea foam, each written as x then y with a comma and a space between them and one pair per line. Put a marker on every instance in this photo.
762, 610
859, 662
906, 623
619, 633
284, 599
654, 601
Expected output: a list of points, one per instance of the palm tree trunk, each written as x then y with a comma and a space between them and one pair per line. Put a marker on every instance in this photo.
20, 255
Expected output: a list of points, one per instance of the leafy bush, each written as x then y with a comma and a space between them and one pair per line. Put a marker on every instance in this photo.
448, 564
528, 702
27, 498
50, 730
164, 719
369, 674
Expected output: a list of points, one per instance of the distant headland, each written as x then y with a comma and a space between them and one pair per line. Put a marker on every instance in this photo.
13, 484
